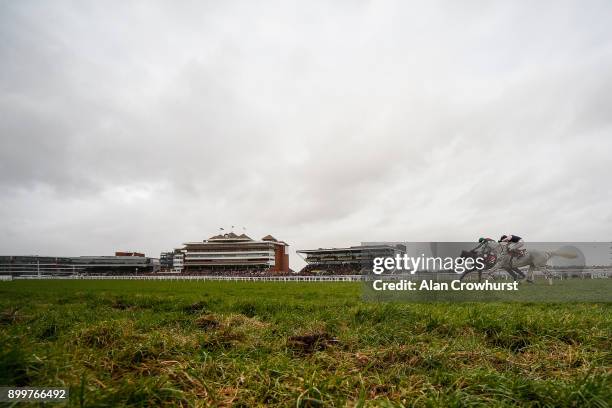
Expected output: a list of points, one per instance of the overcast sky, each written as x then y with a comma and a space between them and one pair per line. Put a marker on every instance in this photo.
142, 125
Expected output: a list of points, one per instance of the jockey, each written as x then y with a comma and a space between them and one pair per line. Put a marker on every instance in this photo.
513, 243
481, 242
486, 251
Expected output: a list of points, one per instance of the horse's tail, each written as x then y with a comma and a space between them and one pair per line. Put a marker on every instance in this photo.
564, 253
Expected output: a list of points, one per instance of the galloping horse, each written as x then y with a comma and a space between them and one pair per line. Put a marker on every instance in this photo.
536, 260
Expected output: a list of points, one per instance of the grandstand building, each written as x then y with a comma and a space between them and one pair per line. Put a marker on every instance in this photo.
19, 265
166, 261
345, 261
178, 261
231, 252
81, 265
116, 265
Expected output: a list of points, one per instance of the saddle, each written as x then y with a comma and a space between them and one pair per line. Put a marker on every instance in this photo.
490, 260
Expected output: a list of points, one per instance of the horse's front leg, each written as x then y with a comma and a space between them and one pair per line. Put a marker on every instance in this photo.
465, 273
511, 273
488, 273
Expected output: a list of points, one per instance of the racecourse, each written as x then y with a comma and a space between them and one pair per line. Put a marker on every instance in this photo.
143, 343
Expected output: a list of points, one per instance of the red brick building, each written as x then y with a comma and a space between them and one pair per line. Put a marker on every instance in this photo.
231, 252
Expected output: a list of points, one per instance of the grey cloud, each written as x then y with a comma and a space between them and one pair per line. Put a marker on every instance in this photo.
143, 125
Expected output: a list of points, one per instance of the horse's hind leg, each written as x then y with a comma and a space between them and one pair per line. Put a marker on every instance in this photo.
530, 273
519, 272
548, 275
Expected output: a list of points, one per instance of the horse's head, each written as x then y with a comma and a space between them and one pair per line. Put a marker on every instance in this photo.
468, 254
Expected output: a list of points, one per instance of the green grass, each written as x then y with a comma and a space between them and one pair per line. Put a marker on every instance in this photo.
145, 343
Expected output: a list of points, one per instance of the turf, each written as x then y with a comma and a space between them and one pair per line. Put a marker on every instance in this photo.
144, 343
